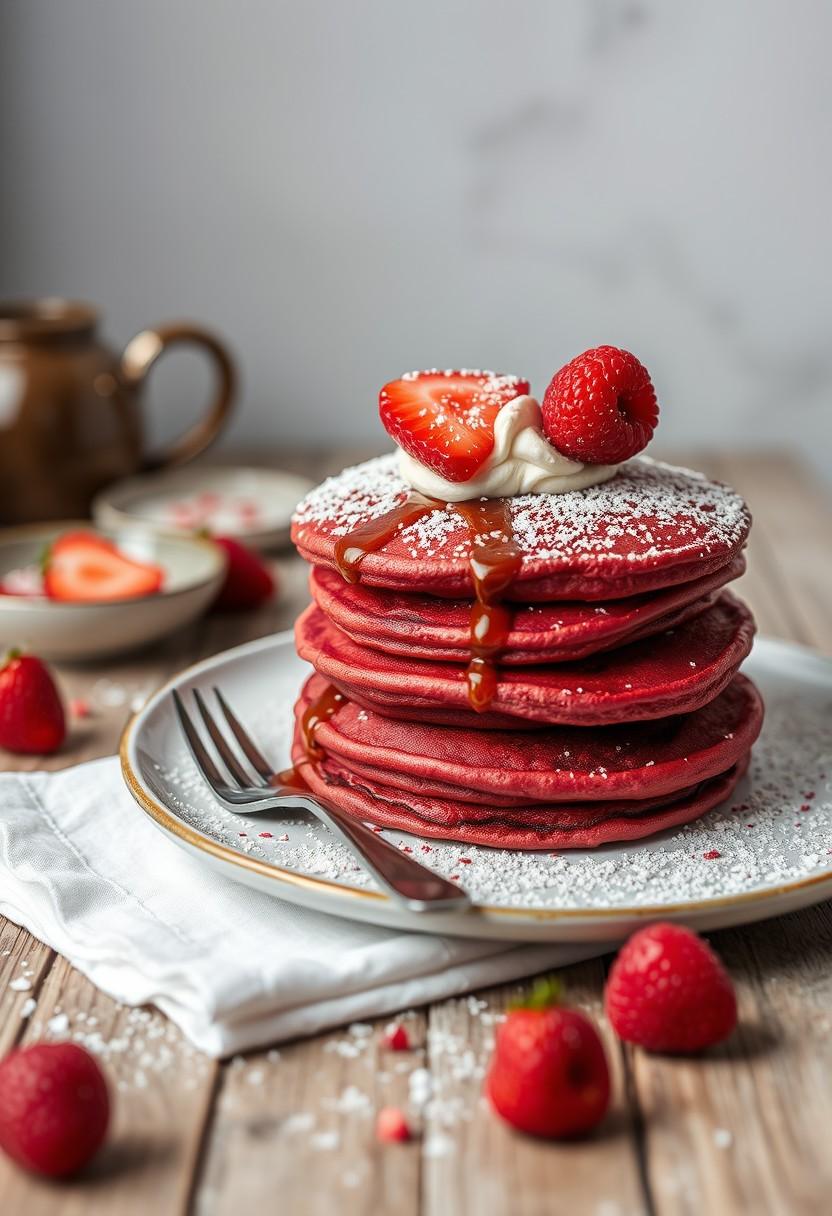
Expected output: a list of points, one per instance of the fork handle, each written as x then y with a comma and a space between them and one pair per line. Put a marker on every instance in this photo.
402, 875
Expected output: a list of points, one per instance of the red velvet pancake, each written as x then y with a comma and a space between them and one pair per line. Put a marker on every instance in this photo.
673, 672
558, 825
427, 627
651, 526
560, 764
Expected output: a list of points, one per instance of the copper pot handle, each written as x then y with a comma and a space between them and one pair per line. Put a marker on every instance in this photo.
141, 353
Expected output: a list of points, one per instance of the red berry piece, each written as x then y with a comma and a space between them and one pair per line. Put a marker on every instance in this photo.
668, 991
54, 1108
601, 408
391, 1126
396, 1037
32, 719
248, 583
82, 567
445, 420
549, 1074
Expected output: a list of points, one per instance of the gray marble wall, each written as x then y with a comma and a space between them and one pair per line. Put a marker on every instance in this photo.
349, 189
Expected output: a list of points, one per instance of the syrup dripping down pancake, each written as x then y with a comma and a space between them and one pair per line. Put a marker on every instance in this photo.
557, 764
650, 526
673, 672
428, 627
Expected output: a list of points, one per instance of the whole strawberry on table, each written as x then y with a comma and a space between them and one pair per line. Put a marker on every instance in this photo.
549, 1075
32, 718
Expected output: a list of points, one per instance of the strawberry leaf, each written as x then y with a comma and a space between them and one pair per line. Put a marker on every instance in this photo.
546, 992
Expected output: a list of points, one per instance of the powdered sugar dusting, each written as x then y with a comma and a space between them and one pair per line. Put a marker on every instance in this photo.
647, 512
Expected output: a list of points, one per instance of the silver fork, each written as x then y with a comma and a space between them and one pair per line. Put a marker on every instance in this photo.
411, 883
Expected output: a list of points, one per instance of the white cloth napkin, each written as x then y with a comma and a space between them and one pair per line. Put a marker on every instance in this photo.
83, 870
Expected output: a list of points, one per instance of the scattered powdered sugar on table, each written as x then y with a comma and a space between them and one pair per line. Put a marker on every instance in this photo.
646, 510
776, 831
139, 1046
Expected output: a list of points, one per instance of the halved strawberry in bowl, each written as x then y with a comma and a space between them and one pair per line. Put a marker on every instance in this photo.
445, 420
83, 567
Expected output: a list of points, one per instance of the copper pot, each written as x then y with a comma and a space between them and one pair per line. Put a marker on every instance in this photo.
70, 418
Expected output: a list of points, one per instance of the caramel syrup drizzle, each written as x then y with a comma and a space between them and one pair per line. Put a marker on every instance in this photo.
494, 563
321, 710
350, 550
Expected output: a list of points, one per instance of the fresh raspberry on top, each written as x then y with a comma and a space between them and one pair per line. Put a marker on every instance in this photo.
601, 408
668, 991
445, 420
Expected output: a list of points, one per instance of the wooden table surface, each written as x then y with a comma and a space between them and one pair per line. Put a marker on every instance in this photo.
746, 1130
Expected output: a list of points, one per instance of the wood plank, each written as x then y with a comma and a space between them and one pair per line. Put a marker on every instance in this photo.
24, 964
162, 1091
745, 1129
474, 1163
295, 1129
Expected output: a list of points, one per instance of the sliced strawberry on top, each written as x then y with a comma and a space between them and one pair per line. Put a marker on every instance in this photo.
445, 420
85, 568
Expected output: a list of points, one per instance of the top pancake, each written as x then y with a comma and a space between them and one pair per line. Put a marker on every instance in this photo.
650, 526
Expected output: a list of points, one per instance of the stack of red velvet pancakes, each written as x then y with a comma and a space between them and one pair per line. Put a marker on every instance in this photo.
546, 669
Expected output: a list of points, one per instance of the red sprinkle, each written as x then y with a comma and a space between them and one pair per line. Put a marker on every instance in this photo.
396, 1037
242, 833
267, 835
391, 1126
712, 854
466, 861
805, 807
406, 848
427, 848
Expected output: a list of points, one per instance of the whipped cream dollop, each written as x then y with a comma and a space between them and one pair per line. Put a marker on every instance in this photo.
522, 462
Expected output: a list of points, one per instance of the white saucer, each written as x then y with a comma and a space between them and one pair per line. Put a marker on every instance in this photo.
767, 852
254, 505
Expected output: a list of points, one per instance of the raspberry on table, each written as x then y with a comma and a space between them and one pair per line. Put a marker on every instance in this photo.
668, 992
54, 1108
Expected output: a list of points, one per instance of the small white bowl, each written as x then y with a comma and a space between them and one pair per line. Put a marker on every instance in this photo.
51, 629
170, 501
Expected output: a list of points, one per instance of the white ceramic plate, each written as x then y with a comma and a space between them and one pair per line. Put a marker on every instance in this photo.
193, 568
255, 505
767, 852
